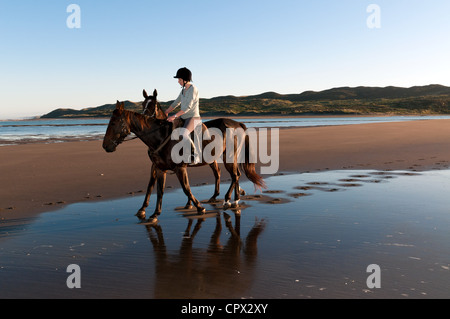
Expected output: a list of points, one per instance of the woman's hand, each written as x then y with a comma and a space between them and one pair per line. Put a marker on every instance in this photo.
171, 118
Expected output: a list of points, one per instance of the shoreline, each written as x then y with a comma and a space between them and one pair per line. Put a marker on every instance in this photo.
244, 116
96, 136
43, 177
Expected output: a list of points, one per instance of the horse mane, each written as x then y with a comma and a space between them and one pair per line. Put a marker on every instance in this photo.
158, 106
157, 112
143, 122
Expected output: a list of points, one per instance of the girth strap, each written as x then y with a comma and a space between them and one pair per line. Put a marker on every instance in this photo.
162, 144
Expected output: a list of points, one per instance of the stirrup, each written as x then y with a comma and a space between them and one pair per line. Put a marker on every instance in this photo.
195, 159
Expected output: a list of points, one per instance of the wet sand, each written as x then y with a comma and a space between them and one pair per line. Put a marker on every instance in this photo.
43, 177
374, 194
277, 245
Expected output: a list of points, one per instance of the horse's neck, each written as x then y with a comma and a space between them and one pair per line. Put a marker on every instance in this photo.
145, 128
159, 113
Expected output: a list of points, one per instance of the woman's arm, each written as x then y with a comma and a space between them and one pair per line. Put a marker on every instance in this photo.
173, 117
174, 105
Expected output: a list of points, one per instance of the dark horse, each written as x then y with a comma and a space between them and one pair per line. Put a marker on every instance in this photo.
154, 133
152, 108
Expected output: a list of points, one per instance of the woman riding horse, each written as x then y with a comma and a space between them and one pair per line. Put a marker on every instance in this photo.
190, 113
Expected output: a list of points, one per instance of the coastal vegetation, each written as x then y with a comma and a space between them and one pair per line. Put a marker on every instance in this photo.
417, 100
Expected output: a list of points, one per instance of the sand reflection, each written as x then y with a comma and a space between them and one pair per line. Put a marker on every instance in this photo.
221, 269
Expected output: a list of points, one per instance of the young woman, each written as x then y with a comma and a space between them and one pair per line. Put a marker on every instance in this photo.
189, 101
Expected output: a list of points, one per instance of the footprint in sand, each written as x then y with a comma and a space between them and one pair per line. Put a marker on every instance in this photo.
297, 195
278, 201
273, 191
303, 188
324, 189
350, 185
317, 183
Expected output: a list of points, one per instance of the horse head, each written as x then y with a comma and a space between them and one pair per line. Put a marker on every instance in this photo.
151, 106
118, 128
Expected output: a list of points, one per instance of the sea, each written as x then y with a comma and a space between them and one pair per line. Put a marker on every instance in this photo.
15, 132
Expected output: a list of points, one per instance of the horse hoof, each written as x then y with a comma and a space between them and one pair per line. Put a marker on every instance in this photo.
212, 200
151, 221
141, 213
235, 204
226, 205
201, 211
188, 207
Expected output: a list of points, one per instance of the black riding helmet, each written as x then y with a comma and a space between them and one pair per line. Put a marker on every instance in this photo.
185, 74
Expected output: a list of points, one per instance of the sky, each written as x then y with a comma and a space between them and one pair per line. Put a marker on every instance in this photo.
52, 56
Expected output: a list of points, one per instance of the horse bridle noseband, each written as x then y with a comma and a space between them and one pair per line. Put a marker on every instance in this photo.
146, 109
124, 132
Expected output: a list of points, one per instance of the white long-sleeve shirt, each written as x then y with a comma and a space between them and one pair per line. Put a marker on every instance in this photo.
189, 101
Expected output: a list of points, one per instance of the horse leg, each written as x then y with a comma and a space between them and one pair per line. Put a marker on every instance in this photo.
151, 184
237, 188
216, 170
160, 185
182, 175
231, 168
188, 204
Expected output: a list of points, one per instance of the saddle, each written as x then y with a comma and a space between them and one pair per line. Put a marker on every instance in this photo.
179, 122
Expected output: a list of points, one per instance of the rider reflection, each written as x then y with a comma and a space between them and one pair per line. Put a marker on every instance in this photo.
219, 271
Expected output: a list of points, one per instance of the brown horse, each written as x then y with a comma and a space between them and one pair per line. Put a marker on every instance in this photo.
151, 107
154, 133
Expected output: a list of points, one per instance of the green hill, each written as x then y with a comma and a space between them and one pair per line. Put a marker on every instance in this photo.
430, 99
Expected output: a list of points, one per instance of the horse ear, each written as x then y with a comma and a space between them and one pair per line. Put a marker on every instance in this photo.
144, 93
155, 93
119, 106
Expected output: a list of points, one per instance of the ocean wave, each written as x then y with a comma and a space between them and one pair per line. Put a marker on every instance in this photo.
68, 130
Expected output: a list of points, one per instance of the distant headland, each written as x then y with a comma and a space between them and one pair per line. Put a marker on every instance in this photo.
424, 100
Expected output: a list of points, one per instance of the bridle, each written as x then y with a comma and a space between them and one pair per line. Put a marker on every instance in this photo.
124, 132
146, 109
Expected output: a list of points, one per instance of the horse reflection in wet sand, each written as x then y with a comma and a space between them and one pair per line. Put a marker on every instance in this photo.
154, 133
216, 272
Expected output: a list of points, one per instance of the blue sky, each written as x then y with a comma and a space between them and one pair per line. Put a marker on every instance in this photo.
240, 47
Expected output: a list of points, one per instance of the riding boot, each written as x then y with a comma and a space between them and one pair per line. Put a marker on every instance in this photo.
195, 157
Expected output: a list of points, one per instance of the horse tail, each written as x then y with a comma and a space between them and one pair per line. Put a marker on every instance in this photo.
249, 168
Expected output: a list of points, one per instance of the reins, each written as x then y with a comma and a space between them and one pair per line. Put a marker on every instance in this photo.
165, 141
130, 139
150, 116
160, 147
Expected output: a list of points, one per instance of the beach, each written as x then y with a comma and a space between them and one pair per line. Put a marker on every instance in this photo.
344, 200
43, 177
